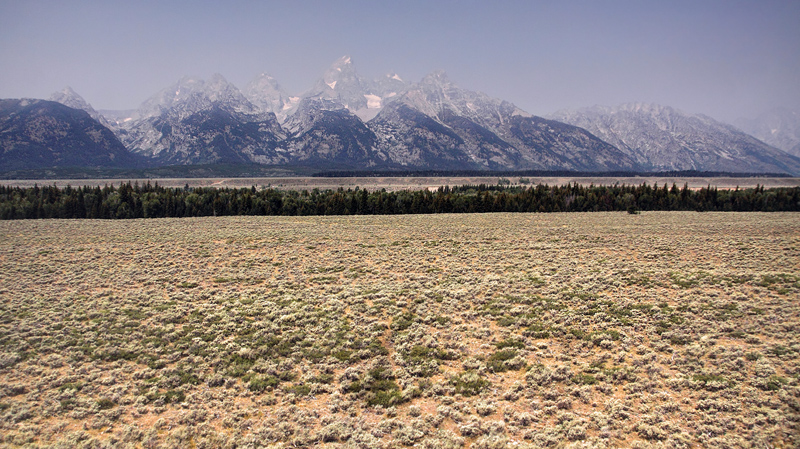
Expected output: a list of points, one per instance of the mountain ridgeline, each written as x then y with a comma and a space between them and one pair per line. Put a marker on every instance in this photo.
347, 122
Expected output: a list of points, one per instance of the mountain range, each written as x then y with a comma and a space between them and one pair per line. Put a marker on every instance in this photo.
348, 122
660, 138
779, 127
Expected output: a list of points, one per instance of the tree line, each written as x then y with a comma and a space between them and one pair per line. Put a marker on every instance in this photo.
153, 201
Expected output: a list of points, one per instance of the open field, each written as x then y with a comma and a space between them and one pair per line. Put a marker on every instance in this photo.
665, 329
407, 183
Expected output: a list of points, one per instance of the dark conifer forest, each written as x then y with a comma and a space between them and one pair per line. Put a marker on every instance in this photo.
153, 201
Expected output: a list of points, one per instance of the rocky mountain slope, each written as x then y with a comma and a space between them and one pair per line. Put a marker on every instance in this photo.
662, 138
436, 120
196, 121
347, 121
265, 93
778, 127
365, 98
44, 134
69, 97
323, 133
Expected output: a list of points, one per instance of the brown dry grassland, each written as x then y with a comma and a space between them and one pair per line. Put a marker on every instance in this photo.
484, 331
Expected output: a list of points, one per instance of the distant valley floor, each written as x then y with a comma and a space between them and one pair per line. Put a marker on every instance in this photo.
412, 183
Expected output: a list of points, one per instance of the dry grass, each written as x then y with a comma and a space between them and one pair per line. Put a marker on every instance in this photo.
540, 330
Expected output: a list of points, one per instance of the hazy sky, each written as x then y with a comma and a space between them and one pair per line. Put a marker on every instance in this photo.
726, 59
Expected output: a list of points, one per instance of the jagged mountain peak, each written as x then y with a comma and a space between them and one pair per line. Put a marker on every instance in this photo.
65, 95
191, 94
42, 133
265, 78
631, 107
265, 92
648, 108
342, 62
341, 73
436, 95
661, 137
307, 111
262, 84
68, 97
365, 98
438, 78
342, 66
347, 119
217, 83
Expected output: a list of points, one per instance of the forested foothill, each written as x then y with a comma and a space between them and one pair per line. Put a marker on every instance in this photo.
128, 200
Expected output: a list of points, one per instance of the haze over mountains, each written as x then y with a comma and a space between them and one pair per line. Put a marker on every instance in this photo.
348, 122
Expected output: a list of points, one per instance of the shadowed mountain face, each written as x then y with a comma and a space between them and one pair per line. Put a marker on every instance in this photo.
69, 97
202, 122
437, 119
346, 121
44, 134
324, 134
429, 125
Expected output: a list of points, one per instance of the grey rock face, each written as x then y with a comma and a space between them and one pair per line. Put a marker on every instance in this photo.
365, 98
265, 93
70, 98
779, 127
44, 134
346, 121
662, 138
326, 134
436, 120
197, 121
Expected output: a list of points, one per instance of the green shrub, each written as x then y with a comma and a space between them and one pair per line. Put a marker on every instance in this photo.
299, 390
497, 361
402, 321
774, 383
262, 383
105, 404
584, 379
469, 383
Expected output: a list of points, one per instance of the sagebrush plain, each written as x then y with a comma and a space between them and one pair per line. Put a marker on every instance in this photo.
663, 329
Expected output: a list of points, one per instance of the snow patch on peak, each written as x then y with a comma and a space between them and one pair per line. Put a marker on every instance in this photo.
396, 77
332, 85
373, 101
344, 60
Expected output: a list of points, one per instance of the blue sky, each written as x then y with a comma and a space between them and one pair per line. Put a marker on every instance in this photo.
726, 59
